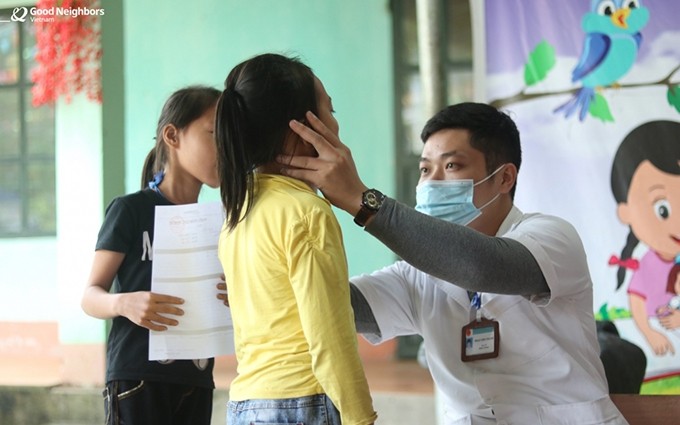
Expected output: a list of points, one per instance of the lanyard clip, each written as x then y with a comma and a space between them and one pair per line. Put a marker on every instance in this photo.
476, 300
476, 306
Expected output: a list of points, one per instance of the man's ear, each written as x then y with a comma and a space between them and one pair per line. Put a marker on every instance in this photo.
508, 177
170, 135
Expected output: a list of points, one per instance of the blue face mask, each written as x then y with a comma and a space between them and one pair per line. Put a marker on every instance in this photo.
451, 200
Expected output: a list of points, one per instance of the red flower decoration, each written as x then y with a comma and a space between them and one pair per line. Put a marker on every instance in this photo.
68, 53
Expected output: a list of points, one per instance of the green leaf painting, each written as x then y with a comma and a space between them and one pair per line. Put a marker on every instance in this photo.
541, 61
673, 97
599, 108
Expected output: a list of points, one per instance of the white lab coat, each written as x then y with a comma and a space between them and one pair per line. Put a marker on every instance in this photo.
548, 370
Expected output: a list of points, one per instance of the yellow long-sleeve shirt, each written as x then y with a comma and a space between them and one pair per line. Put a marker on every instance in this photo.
287, 279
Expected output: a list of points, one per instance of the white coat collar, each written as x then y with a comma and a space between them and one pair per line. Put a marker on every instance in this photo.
511, 220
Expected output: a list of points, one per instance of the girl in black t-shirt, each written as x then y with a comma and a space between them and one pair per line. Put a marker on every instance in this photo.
139, 391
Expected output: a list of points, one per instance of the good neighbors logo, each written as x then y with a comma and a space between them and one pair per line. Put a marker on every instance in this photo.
34, 14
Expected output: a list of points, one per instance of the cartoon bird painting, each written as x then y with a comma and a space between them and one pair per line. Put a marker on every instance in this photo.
611, 45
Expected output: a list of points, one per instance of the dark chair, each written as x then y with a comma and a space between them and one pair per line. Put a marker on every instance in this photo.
624, 362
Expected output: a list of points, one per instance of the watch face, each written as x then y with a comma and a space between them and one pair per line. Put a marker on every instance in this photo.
372, 199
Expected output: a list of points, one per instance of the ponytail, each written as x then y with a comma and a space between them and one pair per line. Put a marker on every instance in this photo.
149, 168
233, 158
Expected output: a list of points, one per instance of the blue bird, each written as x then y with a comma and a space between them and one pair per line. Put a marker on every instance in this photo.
612, 41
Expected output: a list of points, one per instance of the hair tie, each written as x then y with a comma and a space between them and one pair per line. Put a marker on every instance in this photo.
229, 90
157, 179
628, 263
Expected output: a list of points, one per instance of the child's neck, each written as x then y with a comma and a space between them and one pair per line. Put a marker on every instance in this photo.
177, 191
275, 168
269, 168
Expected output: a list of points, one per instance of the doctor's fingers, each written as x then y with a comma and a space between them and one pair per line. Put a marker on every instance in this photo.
324, 131
324, 142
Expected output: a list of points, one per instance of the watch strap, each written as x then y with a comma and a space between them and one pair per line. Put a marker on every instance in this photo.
363, 215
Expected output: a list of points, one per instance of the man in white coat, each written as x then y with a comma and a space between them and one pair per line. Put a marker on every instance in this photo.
502, 299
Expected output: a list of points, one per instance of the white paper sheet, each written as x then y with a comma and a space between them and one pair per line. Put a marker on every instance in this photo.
185, 264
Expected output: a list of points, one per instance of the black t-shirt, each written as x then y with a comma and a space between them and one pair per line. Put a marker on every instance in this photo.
128, 228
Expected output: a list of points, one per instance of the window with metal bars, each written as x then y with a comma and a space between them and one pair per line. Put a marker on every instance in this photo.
27, 140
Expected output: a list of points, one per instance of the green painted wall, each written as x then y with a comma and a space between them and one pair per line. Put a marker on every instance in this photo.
150, 50
348, 43
79, 213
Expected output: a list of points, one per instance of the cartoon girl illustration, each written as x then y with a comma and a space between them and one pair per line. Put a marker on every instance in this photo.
645, 181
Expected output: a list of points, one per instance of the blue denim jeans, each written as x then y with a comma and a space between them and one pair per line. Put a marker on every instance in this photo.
311, 410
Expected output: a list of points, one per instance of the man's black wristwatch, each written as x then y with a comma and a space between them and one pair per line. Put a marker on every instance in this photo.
371, 201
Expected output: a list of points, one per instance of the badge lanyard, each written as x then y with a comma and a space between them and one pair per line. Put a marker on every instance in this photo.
481, 337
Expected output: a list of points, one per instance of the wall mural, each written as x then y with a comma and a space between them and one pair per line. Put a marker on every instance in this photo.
594, 87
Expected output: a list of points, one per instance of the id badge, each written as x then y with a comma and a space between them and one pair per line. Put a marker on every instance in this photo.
480, 340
